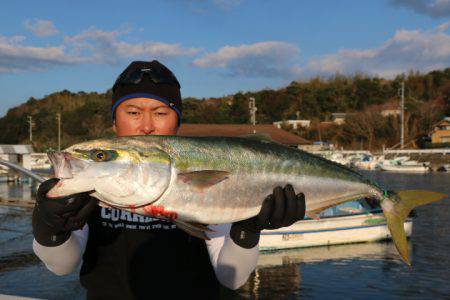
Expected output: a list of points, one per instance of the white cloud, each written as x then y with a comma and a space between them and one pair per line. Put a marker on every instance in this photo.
41, 28
17, 57
104, 46
265, 59
91, 46
406, 50
433, 8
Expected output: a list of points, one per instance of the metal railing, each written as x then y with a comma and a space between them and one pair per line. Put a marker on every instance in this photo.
418, 151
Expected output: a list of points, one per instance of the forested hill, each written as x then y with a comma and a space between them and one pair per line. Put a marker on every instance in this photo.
87, 115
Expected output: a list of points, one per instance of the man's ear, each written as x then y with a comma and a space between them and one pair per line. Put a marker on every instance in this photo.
114, 126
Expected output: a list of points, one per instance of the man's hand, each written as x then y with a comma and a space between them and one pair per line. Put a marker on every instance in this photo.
282, 208
55, 219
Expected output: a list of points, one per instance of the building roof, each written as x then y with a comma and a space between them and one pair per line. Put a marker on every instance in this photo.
390, 106
338, 115
16, 149
444, 121
323, 125
239, 130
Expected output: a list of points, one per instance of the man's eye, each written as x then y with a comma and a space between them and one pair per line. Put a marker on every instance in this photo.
161, 113
133, 113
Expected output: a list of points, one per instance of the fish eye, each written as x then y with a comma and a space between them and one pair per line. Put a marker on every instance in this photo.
100, 155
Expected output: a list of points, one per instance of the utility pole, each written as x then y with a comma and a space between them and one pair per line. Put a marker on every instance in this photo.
31, 125
253, 109
402, 134
58, 118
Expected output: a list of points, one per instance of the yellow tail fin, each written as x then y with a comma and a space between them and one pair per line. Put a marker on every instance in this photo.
396, 208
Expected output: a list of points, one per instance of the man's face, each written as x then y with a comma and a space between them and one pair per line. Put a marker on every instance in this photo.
142, 116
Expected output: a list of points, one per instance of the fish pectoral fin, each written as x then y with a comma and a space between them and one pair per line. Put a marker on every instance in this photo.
195, 229
203, 179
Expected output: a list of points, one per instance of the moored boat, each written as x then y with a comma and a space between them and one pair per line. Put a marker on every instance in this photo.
407, 168
403, 164
343, 224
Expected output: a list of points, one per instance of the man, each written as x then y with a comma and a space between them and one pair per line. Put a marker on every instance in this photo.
127, 256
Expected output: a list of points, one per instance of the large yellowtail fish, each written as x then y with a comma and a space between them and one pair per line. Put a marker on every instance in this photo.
214, 180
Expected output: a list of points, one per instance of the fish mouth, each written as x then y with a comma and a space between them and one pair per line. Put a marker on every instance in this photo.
61, 164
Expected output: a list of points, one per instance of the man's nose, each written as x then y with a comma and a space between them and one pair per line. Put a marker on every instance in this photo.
147, 125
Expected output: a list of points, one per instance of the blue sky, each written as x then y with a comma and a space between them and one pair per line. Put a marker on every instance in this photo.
214, 47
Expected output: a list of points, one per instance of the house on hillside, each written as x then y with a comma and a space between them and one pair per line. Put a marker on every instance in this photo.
294, 123
441, 132
390, 109
338, 118
242, 130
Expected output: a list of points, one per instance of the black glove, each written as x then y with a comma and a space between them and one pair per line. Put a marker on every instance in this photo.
282, 208
54, 219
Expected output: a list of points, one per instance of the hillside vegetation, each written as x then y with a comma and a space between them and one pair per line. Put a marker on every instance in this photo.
87, 115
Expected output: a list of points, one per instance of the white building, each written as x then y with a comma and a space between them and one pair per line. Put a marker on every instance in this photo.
338, 118
390, 109
18, 154
294, 123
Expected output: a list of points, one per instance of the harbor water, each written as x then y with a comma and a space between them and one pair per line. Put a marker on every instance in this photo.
357, 271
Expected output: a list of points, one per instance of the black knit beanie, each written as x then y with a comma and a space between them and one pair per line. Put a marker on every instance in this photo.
153, 80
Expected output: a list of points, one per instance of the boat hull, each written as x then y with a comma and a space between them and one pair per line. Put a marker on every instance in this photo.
329, 231
405, 168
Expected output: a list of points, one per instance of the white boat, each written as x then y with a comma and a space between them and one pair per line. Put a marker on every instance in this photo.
342, 224
407, 167
403, 164
368, 162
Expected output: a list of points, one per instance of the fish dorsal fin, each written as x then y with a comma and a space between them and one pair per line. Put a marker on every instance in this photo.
203, 179
194, 229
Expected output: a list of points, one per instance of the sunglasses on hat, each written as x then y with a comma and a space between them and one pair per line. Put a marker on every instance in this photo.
155, 73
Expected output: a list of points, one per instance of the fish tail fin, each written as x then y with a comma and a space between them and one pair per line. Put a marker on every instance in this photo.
396, 208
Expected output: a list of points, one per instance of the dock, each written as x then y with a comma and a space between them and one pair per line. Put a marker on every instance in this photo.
17, 202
